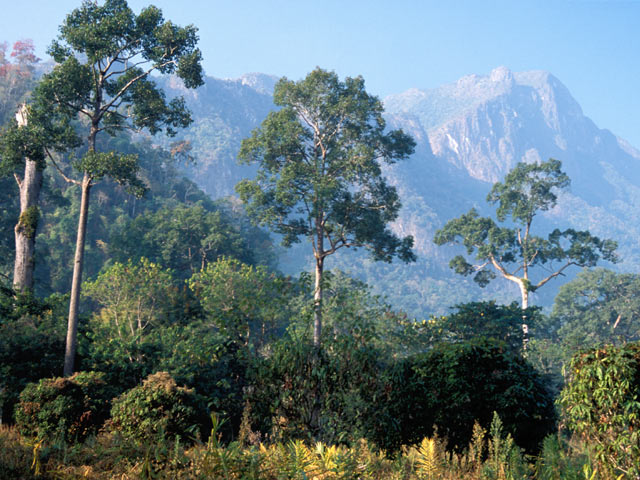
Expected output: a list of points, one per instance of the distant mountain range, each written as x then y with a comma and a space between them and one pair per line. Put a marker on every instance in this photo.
468, 134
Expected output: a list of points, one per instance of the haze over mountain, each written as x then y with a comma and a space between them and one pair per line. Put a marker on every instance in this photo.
468, 134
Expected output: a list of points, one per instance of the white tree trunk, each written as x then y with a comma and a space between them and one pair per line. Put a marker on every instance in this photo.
524, 291
25, 230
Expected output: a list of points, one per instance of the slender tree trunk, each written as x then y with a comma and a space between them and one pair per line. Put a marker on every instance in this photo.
317, 303
525, 304
72, 328
316, 410
25, 229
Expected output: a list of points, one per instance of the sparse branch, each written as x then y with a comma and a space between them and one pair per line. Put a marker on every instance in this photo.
128, 67
128, 85
57, 167
556, 273
72, 106
116, 56
503, 271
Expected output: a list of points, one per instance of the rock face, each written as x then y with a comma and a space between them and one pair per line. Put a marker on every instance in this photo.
468, 134
482, 126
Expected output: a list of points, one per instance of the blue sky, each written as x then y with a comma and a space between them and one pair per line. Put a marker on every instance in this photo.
591, 46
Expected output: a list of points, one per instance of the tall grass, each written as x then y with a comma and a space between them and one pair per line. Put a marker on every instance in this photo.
490, 456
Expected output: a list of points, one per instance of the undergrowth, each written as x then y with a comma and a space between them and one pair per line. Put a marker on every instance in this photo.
490, 455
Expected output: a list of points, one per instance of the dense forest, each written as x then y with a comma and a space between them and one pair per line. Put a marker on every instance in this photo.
147, 332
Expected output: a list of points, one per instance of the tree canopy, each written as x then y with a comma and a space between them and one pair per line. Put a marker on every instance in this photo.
104, 57
512, 251
320, 171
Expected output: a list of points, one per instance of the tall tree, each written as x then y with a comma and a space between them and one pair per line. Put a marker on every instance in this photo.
319, 173
513, 251
105, 55
16, 79
23, 147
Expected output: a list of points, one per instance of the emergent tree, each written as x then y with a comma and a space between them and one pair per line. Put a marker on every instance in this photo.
319, 173
104, 57
512, 251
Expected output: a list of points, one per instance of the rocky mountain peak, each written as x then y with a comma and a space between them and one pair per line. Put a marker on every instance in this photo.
501, 75
260, 82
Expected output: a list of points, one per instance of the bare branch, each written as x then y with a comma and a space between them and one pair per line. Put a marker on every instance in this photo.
67, 179
126, 86
498, 266
557, 273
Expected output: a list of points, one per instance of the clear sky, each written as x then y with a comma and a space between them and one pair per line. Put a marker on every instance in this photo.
592, 46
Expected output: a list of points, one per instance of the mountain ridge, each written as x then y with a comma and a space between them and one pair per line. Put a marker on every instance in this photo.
469, 134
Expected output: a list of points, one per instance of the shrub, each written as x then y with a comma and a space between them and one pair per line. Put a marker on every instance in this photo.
454, 385
66, 409
31, 344
329, 394
601, 404
159, 407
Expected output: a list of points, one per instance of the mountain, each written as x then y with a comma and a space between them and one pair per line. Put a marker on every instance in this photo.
481, 126
468, 134
224, 112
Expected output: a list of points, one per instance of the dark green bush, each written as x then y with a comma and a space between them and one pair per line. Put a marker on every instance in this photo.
159, 407
329, 394
31, 344
66, 409
456, 384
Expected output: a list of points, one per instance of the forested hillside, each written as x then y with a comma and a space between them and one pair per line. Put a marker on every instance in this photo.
468, 134
188, 316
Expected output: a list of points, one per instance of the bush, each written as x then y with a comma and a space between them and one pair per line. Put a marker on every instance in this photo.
65, 409
31, 344
454, 385
157, 408
329, 394
601, 404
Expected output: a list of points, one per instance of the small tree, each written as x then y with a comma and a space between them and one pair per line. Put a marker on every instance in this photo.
105, 55
319, 172
513, 251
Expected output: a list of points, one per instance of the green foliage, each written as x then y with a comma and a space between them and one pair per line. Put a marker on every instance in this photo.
132, 299
123, 169
331, 394
65, 409
319, 167
468, 321
31, 343
558, 460
461, 383
185, 238
95, 41
527, 189
29, 221
597, 307
600, 403
504, 459
159, 407
350, 309
512, 251
112, 235
247, 304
